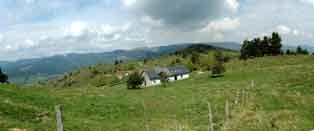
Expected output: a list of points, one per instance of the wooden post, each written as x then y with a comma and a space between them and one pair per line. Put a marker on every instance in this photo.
247, 96
252, 84
178, 127
243, 97
236, 101
58, 109
227, 113
210, 118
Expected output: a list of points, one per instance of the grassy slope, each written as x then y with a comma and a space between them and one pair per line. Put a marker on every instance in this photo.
282, 99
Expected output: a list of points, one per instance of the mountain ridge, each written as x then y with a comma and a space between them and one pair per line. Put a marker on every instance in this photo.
23, 71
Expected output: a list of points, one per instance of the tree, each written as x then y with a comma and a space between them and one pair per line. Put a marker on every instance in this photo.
3, 77
195, 58
275, 44
250, 49
260, 47
164, 78
218, 68
288, 52
145, 61
176, 61
245, 50
301, 51
257, 47
135, 80
265, 45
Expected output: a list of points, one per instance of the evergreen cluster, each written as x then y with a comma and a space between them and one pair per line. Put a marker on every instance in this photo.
298, 51
259, 47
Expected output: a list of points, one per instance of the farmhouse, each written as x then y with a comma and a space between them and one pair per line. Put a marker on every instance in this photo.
152, 76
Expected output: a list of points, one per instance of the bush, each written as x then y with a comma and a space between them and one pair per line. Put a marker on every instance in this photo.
195, 58
135, 81
302, 51
218, 68
3, 77
164, 79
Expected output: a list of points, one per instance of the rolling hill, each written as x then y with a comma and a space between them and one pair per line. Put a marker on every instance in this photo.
279, 98
32, 70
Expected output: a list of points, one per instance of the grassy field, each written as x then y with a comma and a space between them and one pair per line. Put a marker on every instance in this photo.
281, 99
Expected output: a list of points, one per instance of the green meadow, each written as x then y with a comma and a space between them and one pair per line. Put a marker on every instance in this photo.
263, 94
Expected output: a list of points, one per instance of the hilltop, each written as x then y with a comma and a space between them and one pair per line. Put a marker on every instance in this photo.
280, 99
111, 74
33, 70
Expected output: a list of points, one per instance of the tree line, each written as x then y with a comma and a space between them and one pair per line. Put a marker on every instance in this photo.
299, 50
267, 46
259, 47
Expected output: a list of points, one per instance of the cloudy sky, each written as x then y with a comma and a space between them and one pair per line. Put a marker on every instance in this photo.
41, 28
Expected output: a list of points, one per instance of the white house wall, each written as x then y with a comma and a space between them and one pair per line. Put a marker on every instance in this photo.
155, 82
158, 82
185, 76
171, 78
182, 77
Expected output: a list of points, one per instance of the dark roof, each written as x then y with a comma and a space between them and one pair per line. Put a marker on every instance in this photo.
153, 74
178, 70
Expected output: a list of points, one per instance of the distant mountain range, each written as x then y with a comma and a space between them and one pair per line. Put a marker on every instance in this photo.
29, 70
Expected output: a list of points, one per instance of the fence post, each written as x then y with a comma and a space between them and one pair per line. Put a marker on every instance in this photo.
236, 101
58, 109
210, 118
252, 84
243, 97
227, 111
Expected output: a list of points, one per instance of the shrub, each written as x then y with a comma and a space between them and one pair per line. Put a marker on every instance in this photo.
3, 77
301, 51
164, 79
218, 68
135, 81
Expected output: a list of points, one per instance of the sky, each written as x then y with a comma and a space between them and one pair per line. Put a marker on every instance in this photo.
42, 28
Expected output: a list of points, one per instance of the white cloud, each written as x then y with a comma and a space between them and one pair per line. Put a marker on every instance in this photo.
76, 28
296, 32
226, 24
29, 43
128, 3
282, 29
151, 22
108, 29
1, 38
8, 47
311, 2
233, 5
285, 30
